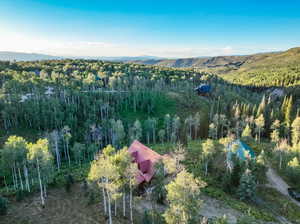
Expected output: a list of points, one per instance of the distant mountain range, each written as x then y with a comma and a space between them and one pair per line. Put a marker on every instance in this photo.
217, 63
20, 56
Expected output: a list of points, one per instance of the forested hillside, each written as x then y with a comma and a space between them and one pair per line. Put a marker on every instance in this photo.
232, 62
71, 120
281, 69
265, 70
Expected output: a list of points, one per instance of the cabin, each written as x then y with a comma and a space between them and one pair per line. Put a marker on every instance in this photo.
145, 159
203, 89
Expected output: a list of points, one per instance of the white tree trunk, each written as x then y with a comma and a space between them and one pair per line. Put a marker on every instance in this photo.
109, 209
26, 178
124, 204
130, 203
104, 200
68, 154
45, 191
20, 177
5, 184
14, 180
280, 161
57, 150
41, 186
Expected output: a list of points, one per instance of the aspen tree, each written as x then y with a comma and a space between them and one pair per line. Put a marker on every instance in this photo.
183, 197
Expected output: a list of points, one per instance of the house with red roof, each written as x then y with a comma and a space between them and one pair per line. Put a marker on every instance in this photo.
146, 159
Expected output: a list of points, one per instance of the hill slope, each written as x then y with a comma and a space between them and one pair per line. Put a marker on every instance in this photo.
266, 69
204, 62
278, 69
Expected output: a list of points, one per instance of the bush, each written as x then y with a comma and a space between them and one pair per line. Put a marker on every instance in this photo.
222, 220
21, 195
227, 184
246, 220
146, 218
91, 198
3, 206
293, 175
69, 183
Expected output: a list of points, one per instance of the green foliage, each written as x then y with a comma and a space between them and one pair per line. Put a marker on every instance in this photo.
278, 69
293, 171
91, 197
3, 205
69, 183
222, 220
94, 104
159, 193
243, 207
296, 132
280, 204
246, 220
236, 172
183, 197
247, 187
146, 218
20, 195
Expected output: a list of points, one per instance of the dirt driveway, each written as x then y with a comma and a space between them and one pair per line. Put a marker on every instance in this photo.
279, 184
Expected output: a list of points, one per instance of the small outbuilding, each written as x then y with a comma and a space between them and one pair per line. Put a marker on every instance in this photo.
203, 89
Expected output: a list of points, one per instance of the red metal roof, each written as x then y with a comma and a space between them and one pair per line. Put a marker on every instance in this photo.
145, 158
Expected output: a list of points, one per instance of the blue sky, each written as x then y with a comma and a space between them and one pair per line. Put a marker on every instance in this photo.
161, 28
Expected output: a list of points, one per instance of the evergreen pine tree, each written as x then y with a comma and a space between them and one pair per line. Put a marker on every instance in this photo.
247, 187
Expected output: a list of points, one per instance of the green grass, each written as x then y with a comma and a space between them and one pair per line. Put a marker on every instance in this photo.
162, 105
280, 204
243, 207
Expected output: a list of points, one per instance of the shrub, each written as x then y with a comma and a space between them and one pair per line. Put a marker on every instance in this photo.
3, 206
226, 183
69, 183
21, 195
91, 198
246, 220
146, 218
222, 220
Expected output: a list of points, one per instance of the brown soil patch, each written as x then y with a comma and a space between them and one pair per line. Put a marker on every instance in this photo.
61, 208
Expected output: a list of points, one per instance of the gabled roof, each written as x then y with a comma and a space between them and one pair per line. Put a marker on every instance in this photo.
145, 158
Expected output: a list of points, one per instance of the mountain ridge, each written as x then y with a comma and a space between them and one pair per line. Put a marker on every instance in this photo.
23, 56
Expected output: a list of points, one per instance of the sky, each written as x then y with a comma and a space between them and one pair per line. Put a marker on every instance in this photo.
164, 28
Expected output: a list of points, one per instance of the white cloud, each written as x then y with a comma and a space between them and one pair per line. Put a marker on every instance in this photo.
17, 42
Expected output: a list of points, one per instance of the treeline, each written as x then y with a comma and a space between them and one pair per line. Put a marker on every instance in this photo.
50, 95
